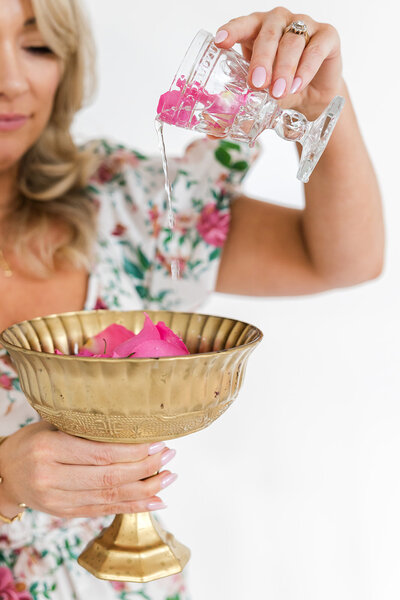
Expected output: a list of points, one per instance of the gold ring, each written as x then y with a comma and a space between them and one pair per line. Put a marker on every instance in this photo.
299, 28
23, 505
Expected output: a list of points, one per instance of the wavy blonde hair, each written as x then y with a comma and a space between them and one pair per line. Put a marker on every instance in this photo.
53, 173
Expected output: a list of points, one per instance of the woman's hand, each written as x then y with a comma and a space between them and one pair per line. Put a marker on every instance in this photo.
302, 77
67, 476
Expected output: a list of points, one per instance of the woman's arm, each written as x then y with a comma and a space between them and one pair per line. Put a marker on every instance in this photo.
338, 239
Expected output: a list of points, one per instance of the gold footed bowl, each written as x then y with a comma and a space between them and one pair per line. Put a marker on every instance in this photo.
131, 400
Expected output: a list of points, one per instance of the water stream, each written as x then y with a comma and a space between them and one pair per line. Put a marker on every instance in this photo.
175, 267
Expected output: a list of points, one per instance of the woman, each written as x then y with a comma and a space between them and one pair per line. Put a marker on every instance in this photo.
85, 228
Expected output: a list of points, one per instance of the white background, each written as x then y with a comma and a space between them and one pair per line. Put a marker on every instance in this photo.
294, 494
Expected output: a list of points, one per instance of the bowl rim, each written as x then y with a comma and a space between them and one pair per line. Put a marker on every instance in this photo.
7, 345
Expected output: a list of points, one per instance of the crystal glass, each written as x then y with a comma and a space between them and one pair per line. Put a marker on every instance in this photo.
209, 94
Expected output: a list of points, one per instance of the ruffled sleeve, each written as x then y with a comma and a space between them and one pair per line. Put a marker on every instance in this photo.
204, 182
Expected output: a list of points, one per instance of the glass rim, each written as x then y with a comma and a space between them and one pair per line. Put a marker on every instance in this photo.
204, 38
198, 48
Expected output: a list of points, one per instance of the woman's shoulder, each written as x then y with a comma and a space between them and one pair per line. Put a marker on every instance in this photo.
113, 158
202, 160
115, 150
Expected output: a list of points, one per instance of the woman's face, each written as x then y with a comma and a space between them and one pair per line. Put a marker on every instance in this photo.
29, 77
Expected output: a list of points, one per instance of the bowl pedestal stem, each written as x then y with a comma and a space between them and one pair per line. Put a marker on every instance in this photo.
134, 548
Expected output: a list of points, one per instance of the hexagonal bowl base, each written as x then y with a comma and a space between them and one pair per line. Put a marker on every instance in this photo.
134, 548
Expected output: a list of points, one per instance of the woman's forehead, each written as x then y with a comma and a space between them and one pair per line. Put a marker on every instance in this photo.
17, 13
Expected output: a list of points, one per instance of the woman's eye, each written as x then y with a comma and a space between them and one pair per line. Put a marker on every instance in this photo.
39, 50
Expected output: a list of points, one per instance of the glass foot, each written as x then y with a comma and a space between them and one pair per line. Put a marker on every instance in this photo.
316, 138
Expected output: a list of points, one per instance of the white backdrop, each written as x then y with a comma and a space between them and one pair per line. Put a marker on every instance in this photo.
294, 494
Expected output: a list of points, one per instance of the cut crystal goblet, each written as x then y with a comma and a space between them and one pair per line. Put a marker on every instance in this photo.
209, 94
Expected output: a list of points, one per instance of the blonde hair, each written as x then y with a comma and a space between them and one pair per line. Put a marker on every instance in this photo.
53, 173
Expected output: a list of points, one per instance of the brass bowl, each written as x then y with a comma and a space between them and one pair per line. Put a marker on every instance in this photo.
131, 400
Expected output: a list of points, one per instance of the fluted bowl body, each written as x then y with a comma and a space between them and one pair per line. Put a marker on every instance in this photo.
130, 399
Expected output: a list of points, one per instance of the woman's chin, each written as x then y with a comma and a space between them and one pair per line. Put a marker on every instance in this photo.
11, 150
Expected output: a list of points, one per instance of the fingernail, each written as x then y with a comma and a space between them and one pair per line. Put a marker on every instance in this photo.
279, 87
259, 76
295, 85
221, 36
168, 479
156, 505
154, 448
167, 456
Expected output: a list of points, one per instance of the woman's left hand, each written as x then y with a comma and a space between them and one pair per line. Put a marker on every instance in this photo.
300, 76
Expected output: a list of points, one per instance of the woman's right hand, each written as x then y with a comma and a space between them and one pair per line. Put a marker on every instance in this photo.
68, 476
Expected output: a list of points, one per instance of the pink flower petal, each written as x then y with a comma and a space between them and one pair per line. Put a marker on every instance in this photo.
6, 578
86, 352
118, 585
152, 341
169, 336
108, 339
157, 348
213, 225
25, 595
5, 382
149, 332
8, 589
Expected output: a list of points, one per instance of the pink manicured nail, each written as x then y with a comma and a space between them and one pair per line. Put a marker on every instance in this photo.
167, 456
154, 448
221, 36
156, 505
279, 87
259, 76
297, 81
168, 479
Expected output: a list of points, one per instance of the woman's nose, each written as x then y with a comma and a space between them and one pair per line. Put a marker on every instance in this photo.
13, 78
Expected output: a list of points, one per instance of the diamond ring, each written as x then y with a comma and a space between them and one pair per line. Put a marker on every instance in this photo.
299, 28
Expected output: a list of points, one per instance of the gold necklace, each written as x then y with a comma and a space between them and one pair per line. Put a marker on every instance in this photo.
4, 265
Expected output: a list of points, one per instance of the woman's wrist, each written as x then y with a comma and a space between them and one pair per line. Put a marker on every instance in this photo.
314, 106
8, 507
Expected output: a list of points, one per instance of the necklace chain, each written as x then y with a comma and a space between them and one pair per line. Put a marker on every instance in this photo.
4, 265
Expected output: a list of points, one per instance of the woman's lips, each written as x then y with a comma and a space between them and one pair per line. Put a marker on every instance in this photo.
9, 123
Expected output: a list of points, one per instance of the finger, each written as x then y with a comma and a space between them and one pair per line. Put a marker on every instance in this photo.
101, 510
236, 30
290, 49
88, 477
264, 52
264, 30
246, 51
79, 451
133, 492
316, 52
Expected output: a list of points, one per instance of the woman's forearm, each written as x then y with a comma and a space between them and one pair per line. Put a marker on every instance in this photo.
342, 223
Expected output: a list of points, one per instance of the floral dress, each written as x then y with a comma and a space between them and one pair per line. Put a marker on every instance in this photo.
131, 270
